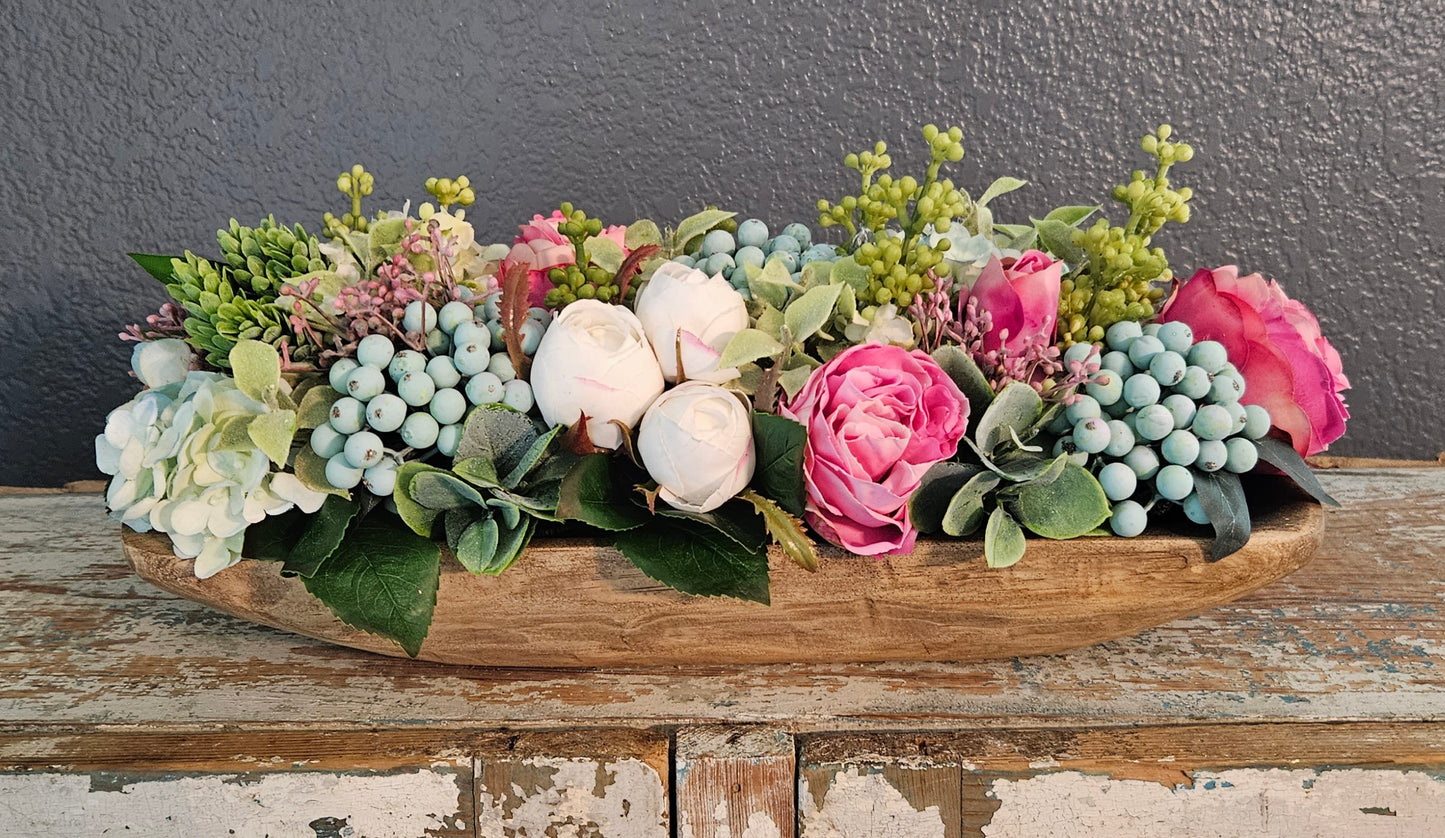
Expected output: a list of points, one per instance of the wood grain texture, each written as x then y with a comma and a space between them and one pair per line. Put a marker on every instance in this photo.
734, 781
1357, 633
853, 610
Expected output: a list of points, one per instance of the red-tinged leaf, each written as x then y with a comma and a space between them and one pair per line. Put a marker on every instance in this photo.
577, 440
513, 308
631, 266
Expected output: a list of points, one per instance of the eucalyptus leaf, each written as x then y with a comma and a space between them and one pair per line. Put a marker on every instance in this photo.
811, 311
479, 471
1222, 497
1016, 407
530, 458
930, 500
1067, 506
965, 509
421, 519
1003, 541
1282, 456
477, 545
497, 433
440, 490
511, 542
958, 366
382, 579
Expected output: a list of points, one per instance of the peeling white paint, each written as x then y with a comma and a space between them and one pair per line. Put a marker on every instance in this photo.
864, 806
277, 805
1239, 803
759, 825
633, 804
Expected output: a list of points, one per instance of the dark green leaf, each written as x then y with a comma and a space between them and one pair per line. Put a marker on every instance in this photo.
1222, 497
588, 494
321, 538
1003, 542
1282, 456
734, 519
1016, 408
965, 510
1066, 507
697, 560
779, 443
382, 579
958, 366
420, 518
270, 539
930, 500
155, 265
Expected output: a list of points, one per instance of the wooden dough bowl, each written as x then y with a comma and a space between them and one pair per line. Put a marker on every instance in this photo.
579, 603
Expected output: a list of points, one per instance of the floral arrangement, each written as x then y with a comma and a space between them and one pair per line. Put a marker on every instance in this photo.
366, 404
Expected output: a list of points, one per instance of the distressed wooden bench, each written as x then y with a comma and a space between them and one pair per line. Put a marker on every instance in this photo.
1315, 707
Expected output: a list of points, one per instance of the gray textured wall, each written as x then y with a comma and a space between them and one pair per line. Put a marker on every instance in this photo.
1319, 128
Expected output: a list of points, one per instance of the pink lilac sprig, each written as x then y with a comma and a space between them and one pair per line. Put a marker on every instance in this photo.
168, 322
1039, 364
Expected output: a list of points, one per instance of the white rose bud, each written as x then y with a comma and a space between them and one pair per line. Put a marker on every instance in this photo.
594, 359
697, 443
705, 310
160, 362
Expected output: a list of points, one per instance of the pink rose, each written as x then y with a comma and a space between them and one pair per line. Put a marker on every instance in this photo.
541, 247
1022, 300
878, 417
1289, 368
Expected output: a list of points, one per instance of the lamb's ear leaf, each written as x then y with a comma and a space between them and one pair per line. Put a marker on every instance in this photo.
1003, 540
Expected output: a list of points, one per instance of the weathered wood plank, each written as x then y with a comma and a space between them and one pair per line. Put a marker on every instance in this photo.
871, 797
583, 783
735, 781
1356, 634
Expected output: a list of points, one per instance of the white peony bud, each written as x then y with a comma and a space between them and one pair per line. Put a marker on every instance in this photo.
697, 443
704, 310
160, 362
594, 359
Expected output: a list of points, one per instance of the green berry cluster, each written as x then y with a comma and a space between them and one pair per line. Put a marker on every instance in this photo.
355, 184
448, 191
580, 280
901, 262
1123, 275
267, 255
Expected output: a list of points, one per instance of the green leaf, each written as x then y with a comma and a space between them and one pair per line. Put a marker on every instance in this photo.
810, 312
310, 469
1066, 507
382, 579
746, 346
437, 489
772, 284
965, 508
1013, 231
787, 531
779, 443
155, 265
1023, 241
315, 544
604, 253
1001, 186
1058, 238
256, 368
512, 541
697, 560
382, 238
1222, 496
848, 271
959, 366
421, 519
1003, 542
270, 539
642, 232
770, 322
588, 495
1016, 407
530, 458
272, 432
1025, 466
816, 273
479, 471
696, 225
1071, 216
930, 500
1282, 456
497, 433
477, 544
315, 409
733, 519
794, 380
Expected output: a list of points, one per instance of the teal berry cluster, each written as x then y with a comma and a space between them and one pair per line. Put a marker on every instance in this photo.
730, 252
1162, 409
397, 400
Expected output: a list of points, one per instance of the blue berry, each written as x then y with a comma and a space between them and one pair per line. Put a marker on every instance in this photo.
1106, 388
1119, 362
1065, 445
448, 406
784, 244
752, 233
484, 388
531, 336
1195, 384
1180, 447
363, 449
1141, 390
1128, 519
380, 479
1213, 454
1091, 435
1084, 407
447, 439
452, 315
1079, 353
799, 233
1177, 337
419, 316
1238, 415
517, 394
1121, 334
1181, 407
471, 358
789, 260
385, 413
1153, 422
1256, 421
750, 255
420, 430
1209, 354
492, 308
1242, 455
1118, 481
416, 388
348, 415
685, 260
541, 315
341, 474
443, 372
718, 263
364, 383
438, 342
818, 253
1143, 461
471, 331
405, 361
718, 241
326, 441
1167, 368
338, 373
1193, 509
1226, 388
1212, 422
1059, 424
1121, 439
501, 367
499, 336
1152, 330
1174, 482
1143, 350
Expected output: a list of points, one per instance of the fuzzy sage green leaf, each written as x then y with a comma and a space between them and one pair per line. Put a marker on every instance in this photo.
811, 311
929, 502
1069, 505
965, 509
1003, 541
